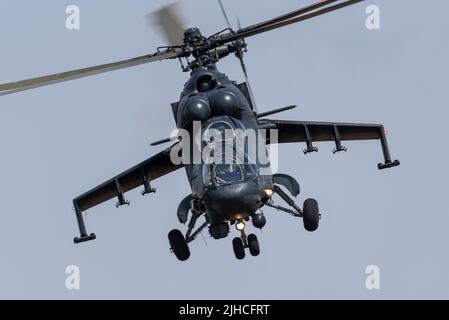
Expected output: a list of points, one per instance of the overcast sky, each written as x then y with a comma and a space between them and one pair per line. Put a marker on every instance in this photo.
62, 140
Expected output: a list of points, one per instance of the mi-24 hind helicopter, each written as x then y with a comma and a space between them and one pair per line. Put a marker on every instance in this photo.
224, 193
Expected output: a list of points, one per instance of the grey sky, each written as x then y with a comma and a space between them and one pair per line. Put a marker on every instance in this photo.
60, 141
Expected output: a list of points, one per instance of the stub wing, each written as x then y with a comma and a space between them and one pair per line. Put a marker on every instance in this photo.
309, 132
139, 175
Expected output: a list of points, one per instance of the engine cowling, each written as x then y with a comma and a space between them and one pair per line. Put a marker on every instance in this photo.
194, 108
224, 103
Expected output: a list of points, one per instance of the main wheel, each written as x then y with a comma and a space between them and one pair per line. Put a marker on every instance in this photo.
179, 245
311, 215
253, 244
239, 249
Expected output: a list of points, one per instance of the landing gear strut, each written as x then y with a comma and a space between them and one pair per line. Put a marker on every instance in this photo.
310, 212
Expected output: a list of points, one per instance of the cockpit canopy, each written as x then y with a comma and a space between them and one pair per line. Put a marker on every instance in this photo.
227, 161
219, 131
228, 173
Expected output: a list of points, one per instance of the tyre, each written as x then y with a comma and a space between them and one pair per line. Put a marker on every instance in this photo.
311, 215
239, 249
253, 244
179, 245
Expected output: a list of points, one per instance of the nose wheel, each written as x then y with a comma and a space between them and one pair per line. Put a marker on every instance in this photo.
239, 248
243, 242
253, 245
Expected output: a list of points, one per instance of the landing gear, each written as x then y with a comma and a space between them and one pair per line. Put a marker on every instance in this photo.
239, 244
310, 215
253, 245
239, 248
310, 212
179, 245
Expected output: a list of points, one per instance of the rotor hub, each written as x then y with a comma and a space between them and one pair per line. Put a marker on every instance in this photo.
193, 36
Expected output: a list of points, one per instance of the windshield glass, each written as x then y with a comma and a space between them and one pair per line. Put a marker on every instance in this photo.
219, 131
226, 173
226, 159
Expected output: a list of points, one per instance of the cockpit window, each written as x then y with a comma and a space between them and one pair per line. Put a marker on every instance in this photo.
221, 131
227, 173
226, 160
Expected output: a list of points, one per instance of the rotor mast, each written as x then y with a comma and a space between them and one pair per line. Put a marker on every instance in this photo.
203, 50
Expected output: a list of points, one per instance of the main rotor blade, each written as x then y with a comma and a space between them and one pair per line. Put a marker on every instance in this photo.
223, 10
289, 15
170, 19
13, 87
239, 23
290, 18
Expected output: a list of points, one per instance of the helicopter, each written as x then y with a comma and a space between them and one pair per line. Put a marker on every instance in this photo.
228, 189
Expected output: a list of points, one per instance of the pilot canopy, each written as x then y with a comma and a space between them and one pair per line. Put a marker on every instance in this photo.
230, 154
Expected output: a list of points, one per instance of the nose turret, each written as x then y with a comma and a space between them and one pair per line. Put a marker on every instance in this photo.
235, 200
